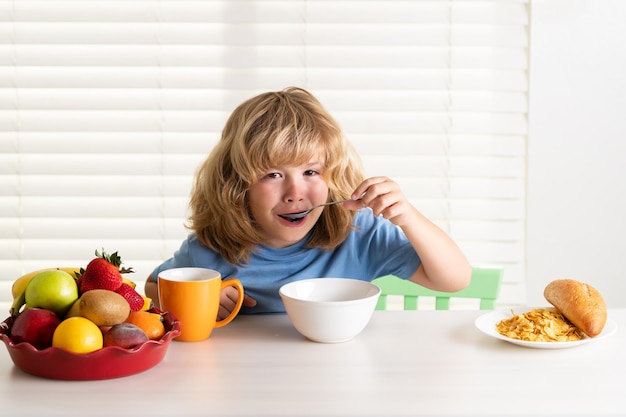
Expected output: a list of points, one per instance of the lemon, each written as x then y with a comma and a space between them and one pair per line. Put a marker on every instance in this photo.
147, 303
78, 335
129, 282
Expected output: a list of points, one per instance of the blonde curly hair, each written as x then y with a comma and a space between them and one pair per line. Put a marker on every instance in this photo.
285, 127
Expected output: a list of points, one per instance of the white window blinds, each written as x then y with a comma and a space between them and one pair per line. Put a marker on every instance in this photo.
107, 107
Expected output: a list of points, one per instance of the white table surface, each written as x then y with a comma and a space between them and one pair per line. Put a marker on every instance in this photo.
403, 363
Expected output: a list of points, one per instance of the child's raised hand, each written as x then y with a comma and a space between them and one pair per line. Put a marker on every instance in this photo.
385, 198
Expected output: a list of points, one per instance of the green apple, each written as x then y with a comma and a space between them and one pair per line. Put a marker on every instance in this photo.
53, 290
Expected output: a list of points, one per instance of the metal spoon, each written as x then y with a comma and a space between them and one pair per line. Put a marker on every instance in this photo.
305, 212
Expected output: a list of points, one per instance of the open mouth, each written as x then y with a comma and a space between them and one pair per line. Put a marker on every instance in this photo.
293, 218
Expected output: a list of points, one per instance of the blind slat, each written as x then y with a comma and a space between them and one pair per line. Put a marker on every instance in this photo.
248, 79
265, 56
364, 34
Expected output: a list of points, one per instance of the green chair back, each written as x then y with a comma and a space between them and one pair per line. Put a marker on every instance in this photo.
484, 285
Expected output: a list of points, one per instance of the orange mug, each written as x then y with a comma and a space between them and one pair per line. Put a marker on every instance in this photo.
192, 295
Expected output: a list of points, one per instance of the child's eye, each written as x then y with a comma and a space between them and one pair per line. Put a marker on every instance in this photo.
310, 172
273, 175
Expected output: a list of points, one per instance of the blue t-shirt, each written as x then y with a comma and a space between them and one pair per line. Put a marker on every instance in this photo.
375, 248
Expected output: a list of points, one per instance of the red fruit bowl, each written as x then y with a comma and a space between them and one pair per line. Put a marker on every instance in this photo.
106, 363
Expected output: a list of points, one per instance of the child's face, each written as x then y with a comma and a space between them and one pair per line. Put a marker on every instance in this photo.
283, 190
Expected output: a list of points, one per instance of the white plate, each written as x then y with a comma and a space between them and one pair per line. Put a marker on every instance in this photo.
487, 324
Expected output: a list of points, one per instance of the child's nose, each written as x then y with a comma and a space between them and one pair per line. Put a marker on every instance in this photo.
293, 190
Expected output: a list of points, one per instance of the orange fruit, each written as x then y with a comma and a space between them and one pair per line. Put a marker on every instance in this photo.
150, 323
78, 335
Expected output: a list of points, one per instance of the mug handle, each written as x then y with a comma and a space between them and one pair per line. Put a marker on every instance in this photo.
232, 282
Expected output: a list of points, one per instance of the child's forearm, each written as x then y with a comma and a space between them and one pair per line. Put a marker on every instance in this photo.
444, 266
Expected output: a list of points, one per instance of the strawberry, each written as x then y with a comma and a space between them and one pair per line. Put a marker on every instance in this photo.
135, 300
102, 272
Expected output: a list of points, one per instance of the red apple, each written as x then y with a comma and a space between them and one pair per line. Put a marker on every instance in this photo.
35, 326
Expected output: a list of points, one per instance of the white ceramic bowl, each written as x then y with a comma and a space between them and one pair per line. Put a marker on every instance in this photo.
329, 310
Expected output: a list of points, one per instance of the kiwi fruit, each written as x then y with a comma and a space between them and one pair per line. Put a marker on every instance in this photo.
104, 307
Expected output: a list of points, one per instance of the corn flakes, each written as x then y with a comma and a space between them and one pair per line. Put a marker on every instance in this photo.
539, 325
